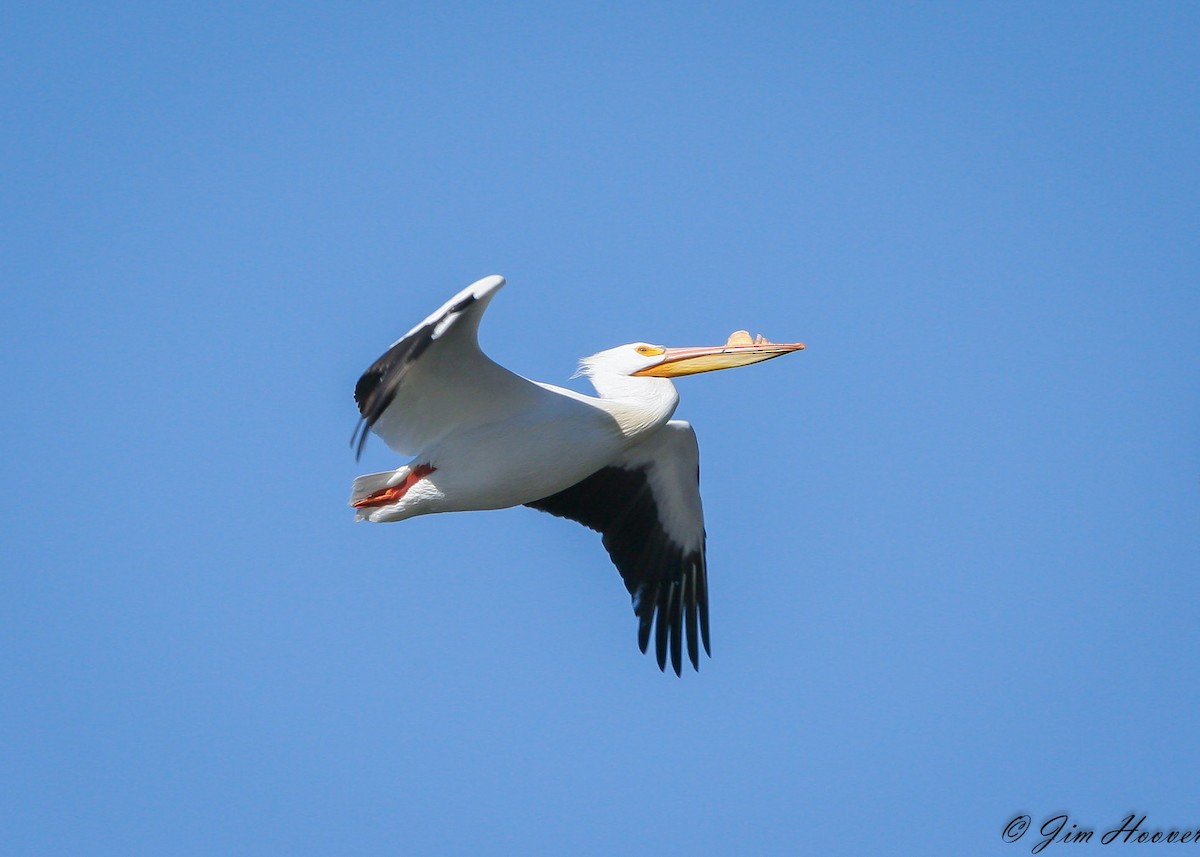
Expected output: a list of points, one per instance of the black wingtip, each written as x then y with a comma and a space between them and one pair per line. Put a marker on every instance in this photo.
675, 622
643, 604
702, 602
358, 440
693, 642
661, 626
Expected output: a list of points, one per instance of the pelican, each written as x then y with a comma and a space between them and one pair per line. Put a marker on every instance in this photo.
481, 437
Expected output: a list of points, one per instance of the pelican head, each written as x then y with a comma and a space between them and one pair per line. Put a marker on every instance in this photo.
643, 360
740, 350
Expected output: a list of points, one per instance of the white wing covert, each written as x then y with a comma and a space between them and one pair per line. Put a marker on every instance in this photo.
436, 378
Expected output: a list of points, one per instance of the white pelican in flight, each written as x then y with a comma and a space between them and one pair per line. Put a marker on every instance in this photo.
481, 437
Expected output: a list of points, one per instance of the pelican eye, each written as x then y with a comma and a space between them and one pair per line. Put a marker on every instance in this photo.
650, 350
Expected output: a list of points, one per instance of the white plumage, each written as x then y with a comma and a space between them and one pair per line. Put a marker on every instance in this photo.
481, 437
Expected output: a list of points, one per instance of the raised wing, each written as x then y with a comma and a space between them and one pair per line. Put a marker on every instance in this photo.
436, 378
647, 507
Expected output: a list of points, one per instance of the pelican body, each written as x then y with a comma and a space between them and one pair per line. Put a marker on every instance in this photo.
481, 437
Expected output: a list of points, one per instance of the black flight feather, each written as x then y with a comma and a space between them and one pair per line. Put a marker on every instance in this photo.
377, 387
618, 503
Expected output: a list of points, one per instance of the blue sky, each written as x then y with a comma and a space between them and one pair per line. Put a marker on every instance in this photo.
952, 545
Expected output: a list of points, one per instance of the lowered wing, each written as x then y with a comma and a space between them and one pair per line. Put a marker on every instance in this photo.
646, 505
